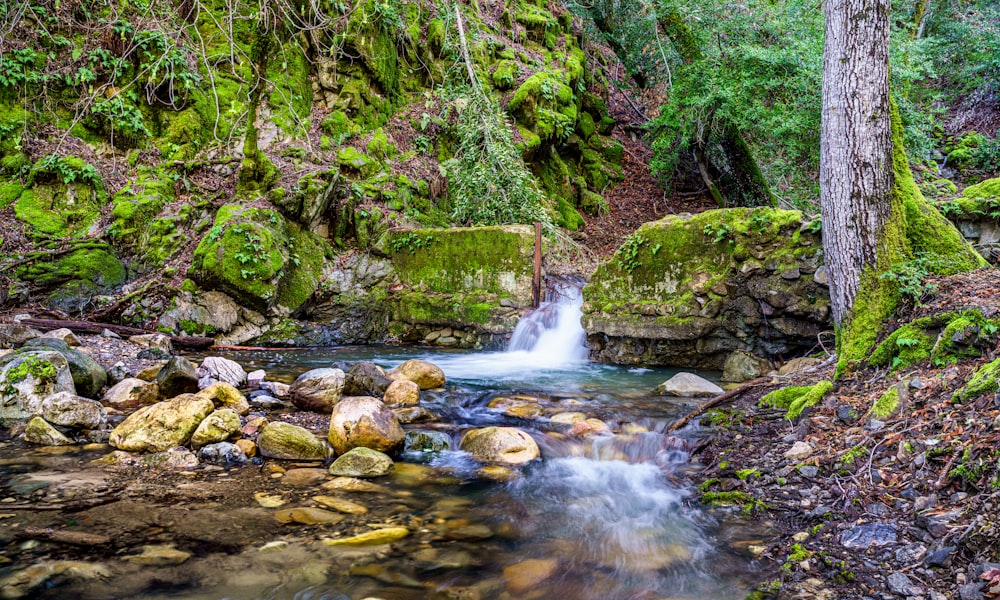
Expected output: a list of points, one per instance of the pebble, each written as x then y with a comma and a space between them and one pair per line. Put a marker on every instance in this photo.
371, 538
870, 534
900, 584
799, 451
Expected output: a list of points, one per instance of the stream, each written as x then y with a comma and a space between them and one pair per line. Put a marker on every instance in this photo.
599, 517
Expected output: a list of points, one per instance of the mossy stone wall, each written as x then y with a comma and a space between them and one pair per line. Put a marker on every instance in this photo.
690, 290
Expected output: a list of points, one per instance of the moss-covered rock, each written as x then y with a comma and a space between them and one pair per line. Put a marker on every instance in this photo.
986, 380
73, 280
797, 398
63, 197
689, 290
986, 189
259, 258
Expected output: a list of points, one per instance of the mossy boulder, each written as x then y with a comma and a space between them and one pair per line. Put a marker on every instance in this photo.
75, 278
986, 380
986, 189
63, 197
161, 426
544, 104
259, 258
26, 379
689, 290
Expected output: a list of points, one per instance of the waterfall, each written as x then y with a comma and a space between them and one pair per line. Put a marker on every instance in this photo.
552, 333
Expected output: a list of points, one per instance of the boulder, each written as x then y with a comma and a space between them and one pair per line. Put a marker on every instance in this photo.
175, 459
13, 335
318, 390
366, 379
428, 376
215, 369
427, 441
688, 385
69, 410
361, 462
89, 377
178, 376
132, 392
207, 313
224, 395
507, 445
161, 426
220, 426
27, 378
402, 392
741, 366
290, 442
798, 364
63, 334
39, 431
364, 421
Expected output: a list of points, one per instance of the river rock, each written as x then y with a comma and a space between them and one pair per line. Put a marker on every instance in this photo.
799, 451
688, 385
132, 392
568, 418
364, 421
158, 556
361, 462
353, 484
174, 459
69, 410
428, 376
13, 335
427, 441
154, 341
224, 453
318, 390
900, 584
88, 376
413, 414
507, 445
868, 534
303, 477
366, 379
161, 426
290, 442
26, 378
341, 505
220, 426
178, 376
799, 364
525, 575
216, 368
224, 395
247, 447
63, 334
402, 392
40, 431
371, 538
741, 366
308, 516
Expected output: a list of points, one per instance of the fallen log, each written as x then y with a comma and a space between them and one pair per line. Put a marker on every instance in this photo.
720, 399
91, 327
75, 538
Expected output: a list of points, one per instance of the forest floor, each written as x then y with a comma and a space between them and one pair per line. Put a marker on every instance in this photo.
869, 508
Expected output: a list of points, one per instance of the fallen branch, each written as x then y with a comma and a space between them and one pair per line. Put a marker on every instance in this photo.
721, 399
90, 327
75, 538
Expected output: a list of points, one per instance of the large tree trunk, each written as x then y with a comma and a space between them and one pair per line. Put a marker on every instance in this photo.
856, 146
874, 216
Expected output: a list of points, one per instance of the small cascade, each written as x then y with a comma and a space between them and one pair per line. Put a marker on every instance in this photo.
553, 333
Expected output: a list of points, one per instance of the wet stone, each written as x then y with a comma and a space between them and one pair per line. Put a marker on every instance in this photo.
307, 516
303, 477
223, 453
871, 534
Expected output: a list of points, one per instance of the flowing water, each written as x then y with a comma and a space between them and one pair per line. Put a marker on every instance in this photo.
599, 517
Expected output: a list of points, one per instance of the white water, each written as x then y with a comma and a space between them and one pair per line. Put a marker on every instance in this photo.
550, 338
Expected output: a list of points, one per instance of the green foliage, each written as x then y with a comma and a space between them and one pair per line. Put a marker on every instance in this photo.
32, 366
911, 276
627, 255
411, 242
489, 183
67, 169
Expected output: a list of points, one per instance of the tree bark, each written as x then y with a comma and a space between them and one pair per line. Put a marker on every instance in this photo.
855, 145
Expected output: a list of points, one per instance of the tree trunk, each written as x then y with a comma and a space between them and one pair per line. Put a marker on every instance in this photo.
855, 147
874, 216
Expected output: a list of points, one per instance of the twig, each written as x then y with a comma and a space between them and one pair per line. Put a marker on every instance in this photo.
720, 399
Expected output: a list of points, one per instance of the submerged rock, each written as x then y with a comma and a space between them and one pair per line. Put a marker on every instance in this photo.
362, 462
161, 426
159, 556
363, 421
507, 445
371, 538
290, 442
427, 441
426, 375
688, 385
318, 390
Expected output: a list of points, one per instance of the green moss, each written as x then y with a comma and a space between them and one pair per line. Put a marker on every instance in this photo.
748, 503
353, 161
505, 74
983, 381
380, 147
797, 398
798, 553
291, 96
985, 189
339, 126
435, 36
497, 260
887, 404
10, 191
135, 206
907, 346
32, 366
260, 258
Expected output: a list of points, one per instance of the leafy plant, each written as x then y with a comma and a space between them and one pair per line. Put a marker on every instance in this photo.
911, 276
627, 255
718, 232
411, 242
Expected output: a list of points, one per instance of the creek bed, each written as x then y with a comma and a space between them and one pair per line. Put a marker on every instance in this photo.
602, 516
